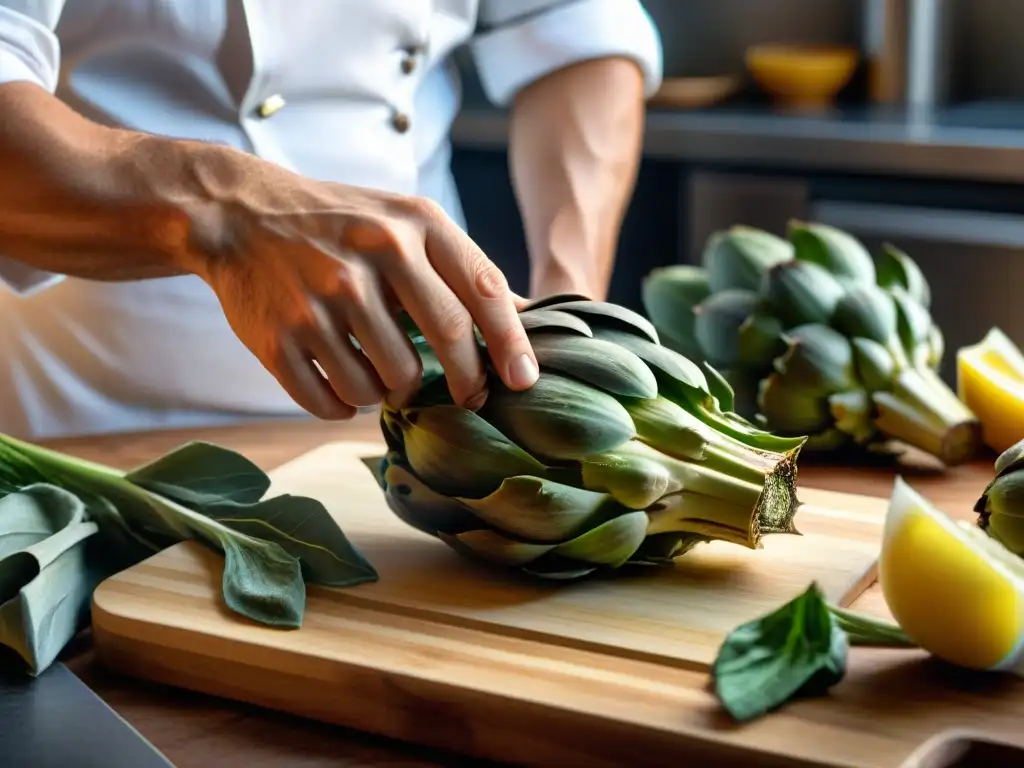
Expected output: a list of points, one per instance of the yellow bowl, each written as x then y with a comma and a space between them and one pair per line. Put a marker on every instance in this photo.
802, 75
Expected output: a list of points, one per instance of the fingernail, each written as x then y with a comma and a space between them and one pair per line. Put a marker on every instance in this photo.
476, 402
522, 372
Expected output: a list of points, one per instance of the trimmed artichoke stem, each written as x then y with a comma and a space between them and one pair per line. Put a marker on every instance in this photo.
922, 411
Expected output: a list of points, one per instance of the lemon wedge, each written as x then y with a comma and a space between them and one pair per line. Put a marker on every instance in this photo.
953, 590
990, 381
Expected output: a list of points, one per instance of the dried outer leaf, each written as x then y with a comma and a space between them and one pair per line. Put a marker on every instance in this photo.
792, 410
610, 544
418, 505
874, 364
457, 452
540, 510
673, 371
837, 251
720, 388
738, 257
607, 366
668, 427
819, 360
717, 322
760, 340
853, 412
866, 311
540, 320
896, 268
912, 320
669, 295
800, 292
557, 418
633, 478
601, 313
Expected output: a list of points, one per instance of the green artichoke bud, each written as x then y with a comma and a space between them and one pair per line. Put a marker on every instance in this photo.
897, 269
1001, 507
718, 322
838, 252
620, 453
829, 354
673, 292
738, 257
801, 292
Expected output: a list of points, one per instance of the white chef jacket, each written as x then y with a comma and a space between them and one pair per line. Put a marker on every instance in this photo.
369, 92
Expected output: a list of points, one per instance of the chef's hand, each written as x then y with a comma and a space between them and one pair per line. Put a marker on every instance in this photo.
299, 265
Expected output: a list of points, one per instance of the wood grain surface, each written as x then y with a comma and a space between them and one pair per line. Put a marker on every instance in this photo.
889, 696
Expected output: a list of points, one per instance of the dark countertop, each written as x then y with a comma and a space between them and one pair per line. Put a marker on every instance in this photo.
971, 142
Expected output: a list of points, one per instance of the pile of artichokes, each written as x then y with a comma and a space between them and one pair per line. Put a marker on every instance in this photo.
623, 452
817, 339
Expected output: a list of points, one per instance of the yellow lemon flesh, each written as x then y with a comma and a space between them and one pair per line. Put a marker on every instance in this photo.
954, 591
990, 381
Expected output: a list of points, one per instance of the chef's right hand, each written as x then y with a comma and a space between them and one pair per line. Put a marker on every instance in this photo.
300, 265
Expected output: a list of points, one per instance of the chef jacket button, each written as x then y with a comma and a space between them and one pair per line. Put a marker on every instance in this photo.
271, 105
401, 122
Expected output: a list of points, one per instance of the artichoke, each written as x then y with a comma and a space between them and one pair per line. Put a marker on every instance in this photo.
622, 452
817, 339
1001, 507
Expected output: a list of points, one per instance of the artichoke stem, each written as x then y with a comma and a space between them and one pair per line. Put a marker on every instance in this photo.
922, 411
695, 513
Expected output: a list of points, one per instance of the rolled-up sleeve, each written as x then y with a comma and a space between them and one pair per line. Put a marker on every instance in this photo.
29, 52
521, 41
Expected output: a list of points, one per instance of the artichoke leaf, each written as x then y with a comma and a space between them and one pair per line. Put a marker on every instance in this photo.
551, 300
912, 321
853, 411
819, 360
416, 504
874, 364
760, 340
605, 314
607, 366
633, 477
720, 389
717, 321
739, 256
897, 269
668, 427
801, 292
540, 510
456, 452
837, 251
495, 548
611, 544
669, 295
786, 408
539, 320
866, 311
673, 371
559, 418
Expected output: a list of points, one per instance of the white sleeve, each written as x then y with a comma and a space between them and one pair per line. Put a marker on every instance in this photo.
524, 40
29, 52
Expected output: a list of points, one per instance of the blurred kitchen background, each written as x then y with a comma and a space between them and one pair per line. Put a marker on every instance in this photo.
922, 146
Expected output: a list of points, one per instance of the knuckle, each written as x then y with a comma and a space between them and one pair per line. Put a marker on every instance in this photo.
453, 324
424, 209
513, 336
490, 281
347, 282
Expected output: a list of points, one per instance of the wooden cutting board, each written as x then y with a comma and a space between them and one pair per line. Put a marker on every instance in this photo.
444, 651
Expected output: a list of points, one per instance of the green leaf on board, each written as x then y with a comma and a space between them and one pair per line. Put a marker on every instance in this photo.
199, 473
797, 649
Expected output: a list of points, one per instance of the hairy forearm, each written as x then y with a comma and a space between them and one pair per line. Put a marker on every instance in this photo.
85, 200
574, 149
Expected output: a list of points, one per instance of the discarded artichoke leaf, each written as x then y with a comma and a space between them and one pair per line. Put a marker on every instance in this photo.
608, 366
739, 256
837, 251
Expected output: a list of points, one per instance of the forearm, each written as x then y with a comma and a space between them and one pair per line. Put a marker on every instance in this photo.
574, 149
85, 200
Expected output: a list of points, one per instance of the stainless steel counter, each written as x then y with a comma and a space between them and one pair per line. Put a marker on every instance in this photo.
975, 142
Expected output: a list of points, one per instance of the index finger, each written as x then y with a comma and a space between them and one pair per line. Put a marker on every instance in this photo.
484, 291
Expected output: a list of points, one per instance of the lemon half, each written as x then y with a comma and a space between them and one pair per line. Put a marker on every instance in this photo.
990, 381
954, 591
